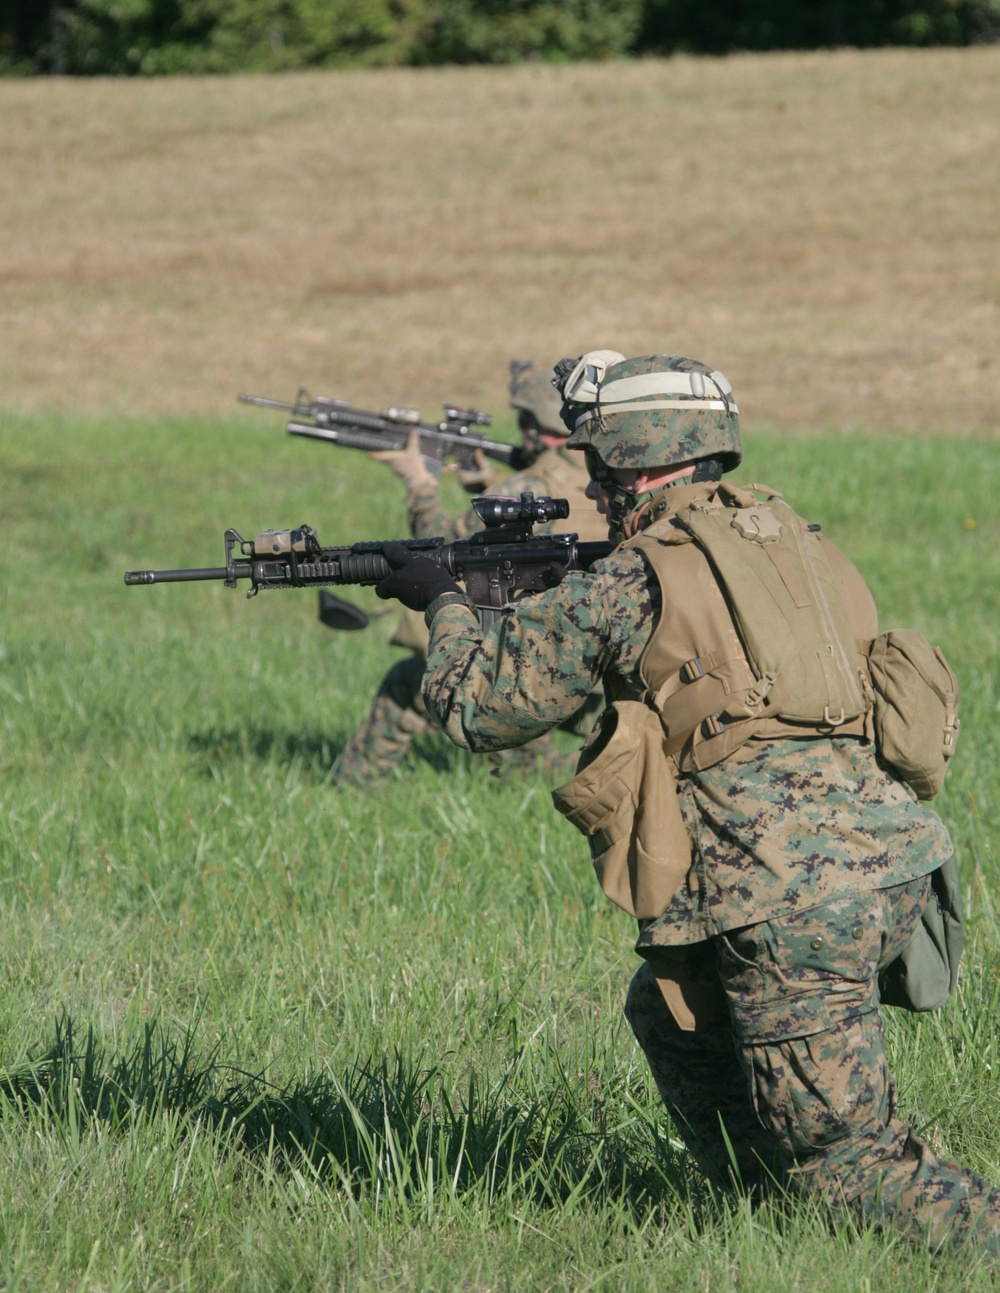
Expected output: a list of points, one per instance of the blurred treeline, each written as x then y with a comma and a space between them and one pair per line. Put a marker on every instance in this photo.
148, 37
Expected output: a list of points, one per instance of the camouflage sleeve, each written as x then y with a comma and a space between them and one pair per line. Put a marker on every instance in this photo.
428, 519
539, 662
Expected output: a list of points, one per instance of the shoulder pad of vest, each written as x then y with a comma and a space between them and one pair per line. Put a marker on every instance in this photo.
669, 529
744, 496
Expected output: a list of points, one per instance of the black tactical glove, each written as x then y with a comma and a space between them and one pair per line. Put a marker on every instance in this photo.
415, 581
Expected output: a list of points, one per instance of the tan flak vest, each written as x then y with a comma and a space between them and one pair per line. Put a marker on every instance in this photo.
762, 634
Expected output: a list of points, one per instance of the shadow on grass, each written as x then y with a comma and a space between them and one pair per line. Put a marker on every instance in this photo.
388, 1129
312, 751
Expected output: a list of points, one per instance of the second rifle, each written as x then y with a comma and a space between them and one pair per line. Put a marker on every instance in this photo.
337, 422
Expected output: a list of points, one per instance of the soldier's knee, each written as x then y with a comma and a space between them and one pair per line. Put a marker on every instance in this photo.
402, 685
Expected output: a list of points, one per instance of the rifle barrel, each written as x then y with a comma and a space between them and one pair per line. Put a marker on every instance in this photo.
275, 404
180, 576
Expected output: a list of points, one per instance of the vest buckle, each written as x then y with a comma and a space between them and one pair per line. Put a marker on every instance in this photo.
691, 670
712, 725
758, 693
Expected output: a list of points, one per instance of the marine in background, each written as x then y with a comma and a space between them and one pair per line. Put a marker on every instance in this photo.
398, 713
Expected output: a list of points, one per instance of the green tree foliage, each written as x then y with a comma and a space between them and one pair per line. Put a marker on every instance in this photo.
498, 31
27, 31
101, 37
127, 37
267, 35
723, 26
130, 37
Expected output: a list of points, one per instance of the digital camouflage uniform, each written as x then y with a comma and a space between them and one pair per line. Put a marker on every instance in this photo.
810, 868
398, 713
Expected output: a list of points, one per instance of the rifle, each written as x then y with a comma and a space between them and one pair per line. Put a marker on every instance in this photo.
338, 422
500, 563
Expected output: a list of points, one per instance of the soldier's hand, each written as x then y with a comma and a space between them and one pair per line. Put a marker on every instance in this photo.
480, 478
408, 463
415, 581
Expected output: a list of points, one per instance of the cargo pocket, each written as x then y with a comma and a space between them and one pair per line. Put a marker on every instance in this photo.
800, 975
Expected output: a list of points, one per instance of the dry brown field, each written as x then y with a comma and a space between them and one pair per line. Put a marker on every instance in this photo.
823, 227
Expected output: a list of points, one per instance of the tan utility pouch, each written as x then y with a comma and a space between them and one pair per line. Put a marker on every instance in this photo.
916, 708
624, 799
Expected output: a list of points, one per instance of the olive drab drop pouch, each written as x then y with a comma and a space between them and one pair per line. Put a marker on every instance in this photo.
624, 799
915, 718
924, 974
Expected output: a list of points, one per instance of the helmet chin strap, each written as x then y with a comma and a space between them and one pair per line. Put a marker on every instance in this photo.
627, 511
622, 504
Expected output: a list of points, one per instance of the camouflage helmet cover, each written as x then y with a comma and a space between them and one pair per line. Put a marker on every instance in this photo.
531, 389
651, 411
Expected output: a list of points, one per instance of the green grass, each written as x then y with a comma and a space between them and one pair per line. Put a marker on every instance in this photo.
257, 1032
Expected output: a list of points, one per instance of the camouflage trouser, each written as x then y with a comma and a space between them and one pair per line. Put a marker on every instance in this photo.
397, 715
783, 1076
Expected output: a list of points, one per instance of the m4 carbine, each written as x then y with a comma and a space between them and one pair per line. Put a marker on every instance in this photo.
338, 422
497, 565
